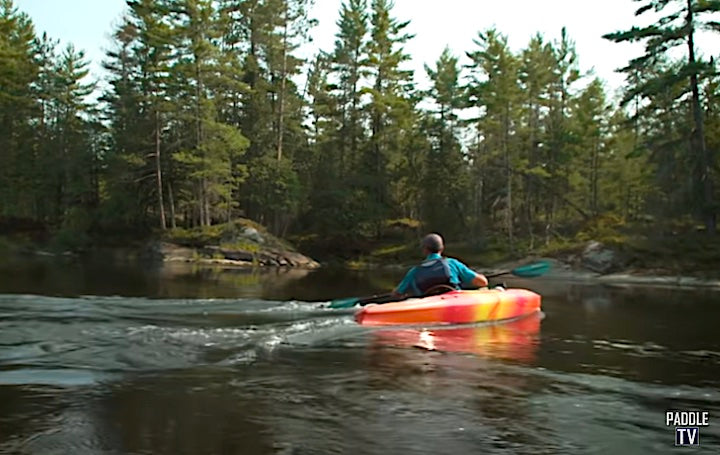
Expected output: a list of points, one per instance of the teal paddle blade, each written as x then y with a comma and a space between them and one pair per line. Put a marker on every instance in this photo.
352, 301
532, 270
344, 303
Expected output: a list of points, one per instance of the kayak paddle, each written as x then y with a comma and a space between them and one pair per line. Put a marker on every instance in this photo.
531, 270
352, 301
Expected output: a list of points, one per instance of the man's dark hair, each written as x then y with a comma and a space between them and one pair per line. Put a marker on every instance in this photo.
433, 242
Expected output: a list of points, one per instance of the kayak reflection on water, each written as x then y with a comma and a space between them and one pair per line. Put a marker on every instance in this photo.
513, 340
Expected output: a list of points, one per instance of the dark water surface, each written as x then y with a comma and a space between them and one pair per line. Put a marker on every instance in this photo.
119, 359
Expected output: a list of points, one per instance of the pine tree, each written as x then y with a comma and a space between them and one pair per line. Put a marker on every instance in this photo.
138, 106
126, 203
662, 123
591, 129
329, 196
210, 150
18, 72
292, 29
45, 152
71, 141
566, 74
391, 110
678, 26
627, 182
154, 40
535, 77
349, 66
494, 89
445, 204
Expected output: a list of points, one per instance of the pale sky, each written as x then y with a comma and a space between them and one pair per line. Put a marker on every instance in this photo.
88, 24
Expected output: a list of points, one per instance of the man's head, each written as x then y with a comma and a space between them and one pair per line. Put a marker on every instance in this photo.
432, 243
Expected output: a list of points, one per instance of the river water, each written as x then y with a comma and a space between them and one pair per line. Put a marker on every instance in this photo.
120, 359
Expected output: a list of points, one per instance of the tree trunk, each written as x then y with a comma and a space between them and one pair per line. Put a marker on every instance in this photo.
506, 149
158, 172
206, 203
595, 169
202, 202
529, 187
171, 200
283, 77
376, 137
703, 155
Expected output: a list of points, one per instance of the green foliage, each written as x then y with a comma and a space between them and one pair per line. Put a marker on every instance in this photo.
239, 245
70, 240
606, 229
657, 83
195, 237
273, 185
403, 223
446, 183
389, 250
230, 236
202, 123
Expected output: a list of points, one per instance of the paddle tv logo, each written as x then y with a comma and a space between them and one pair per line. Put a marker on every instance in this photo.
687, 425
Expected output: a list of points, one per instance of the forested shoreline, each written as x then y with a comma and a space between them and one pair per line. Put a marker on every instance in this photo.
211, 115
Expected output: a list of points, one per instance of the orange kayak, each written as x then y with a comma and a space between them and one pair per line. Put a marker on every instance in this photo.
456, 307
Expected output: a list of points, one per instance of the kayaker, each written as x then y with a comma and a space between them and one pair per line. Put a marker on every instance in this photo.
437, 273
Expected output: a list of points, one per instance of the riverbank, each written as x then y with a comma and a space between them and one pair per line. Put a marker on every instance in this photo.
673, 258
240, 243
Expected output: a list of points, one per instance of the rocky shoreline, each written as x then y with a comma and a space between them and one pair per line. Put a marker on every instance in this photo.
598, 263
241, 243
562, 271
246, 246
216, 255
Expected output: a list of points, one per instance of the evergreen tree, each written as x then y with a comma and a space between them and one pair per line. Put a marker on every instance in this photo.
662, 124
330, 196
349, 66
494, 89
18, 72
678, 25
272, 107
445, 183
138, 107
561, 138
210, 148
71, 142
535, 77
627, 182
591, 130
127, 183
204, 122
391, 110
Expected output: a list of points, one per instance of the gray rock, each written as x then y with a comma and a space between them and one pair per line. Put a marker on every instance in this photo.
253, 234
598, 258
213, 254
170, 252
238, 255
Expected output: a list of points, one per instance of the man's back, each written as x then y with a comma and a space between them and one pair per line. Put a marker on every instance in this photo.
435, 271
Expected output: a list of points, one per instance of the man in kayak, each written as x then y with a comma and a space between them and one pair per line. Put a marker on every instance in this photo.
437, 273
